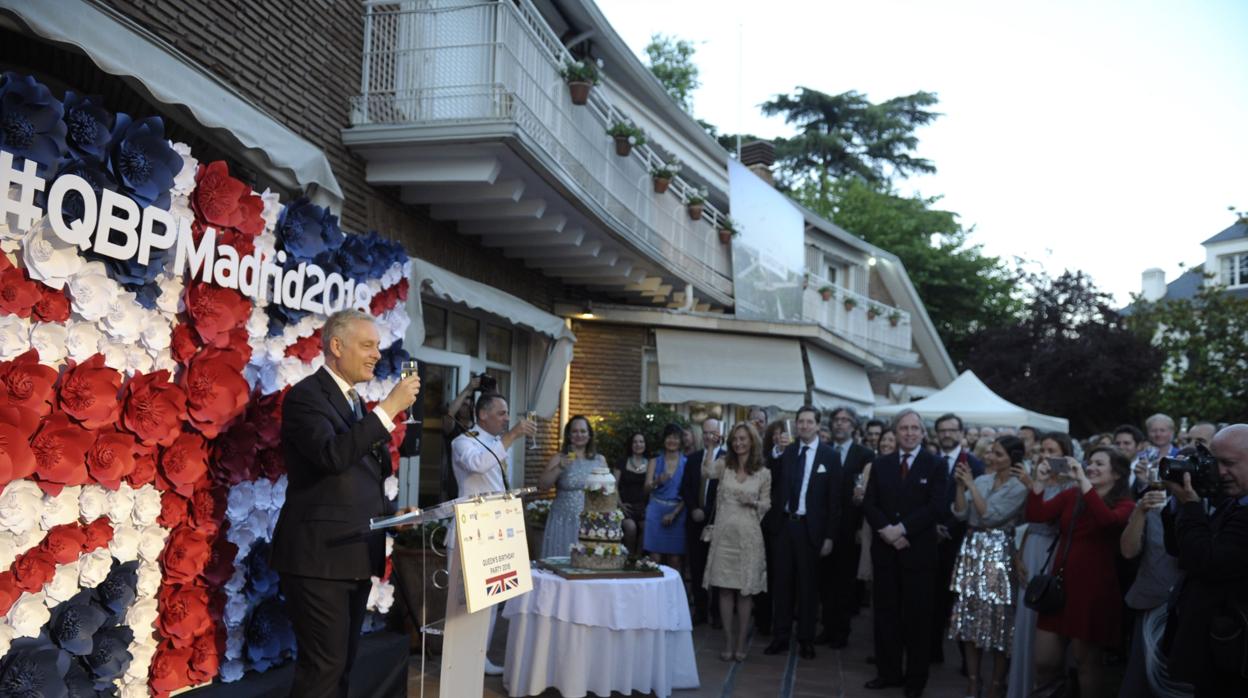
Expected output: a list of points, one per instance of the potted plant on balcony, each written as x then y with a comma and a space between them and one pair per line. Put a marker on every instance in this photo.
874, 311
826, 292
850, 303
894, 318
663, 174
581, 76
727, 229
626, 136
695, 199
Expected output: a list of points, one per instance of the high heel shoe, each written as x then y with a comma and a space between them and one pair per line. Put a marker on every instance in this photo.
740, 656
973, 687
725, 656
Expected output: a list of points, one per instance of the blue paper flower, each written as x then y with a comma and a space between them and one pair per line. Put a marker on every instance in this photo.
78, 683
34, 667
74, 622
73, 208
305, 230
269, 634
89, 127
280, 316
262, 581
115, 594
30, 120
142, 160
110, 656
391, 362
137, 277
357, 258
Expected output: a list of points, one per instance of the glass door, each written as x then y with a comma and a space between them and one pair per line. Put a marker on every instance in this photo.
427, 478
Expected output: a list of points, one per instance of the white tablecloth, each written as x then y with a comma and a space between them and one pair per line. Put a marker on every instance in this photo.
599, 636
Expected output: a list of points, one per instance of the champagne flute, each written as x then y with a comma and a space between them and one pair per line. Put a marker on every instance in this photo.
407, 369
531, 441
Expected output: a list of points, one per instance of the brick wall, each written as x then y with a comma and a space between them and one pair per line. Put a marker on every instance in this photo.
606, 367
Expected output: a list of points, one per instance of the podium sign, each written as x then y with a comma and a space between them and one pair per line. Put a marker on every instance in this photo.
493, 551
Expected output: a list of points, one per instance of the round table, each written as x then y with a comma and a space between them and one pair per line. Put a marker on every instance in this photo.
600, 635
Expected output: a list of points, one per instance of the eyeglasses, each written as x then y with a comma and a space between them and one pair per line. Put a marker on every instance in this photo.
948, 431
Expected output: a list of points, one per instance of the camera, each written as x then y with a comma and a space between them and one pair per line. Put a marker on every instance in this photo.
1197, 461
488, 383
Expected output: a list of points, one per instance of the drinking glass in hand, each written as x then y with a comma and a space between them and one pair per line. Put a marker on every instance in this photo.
531, 441
407, 369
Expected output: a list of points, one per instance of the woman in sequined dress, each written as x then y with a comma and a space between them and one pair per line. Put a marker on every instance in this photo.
983, 578
568, 470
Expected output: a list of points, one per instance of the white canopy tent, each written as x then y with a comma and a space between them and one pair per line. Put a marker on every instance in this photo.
975, 403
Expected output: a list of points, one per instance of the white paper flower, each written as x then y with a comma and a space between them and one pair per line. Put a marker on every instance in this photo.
258, 523
20, 506
391, 486
146, 506
237, 581
263, 494
121, 504
184, 182
272, 208
242, 537
151, 543
157, 332
61, 509
64, 584
28, 614
149, 579
170, 301
141, 660
141, 615
380, 596
134, 690
82, 340
6, 638
231, 671
28, 539
257, 326
49, 339
279, 492
47, 257
392, 275
235, 611
126, 319
239, 502
14, 336
92, 292
125, 543
93, 567
92, 503
8, 550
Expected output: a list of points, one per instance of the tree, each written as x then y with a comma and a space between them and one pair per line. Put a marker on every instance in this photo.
671, 61
847, 136
962, 289
612, 432
1070, 355
1204, 342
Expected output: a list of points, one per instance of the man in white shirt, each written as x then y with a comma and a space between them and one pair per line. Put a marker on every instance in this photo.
949, 531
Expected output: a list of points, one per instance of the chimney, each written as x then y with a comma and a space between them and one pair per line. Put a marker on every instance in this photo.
1154, 284
759, 156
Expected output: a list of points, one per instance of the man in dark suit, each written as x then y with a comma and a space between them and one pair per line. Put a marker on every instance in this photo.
337, 461
699, 495
949, 531
807, 491
1214, 554
838, 573
902, 504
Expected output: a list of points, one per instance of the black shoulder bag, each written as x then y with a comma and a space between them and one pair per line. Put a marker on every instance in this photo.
1045, 593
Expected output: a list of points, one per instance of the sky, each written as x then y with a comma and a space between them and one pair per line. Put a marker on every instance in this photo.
1108, 136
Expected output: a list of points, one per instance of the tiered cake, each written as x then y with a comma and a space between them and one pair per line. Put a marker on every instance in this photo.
598, 545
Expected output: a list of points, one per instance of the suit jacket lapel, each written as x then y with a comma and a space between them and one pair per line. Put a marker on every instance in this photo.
335, 396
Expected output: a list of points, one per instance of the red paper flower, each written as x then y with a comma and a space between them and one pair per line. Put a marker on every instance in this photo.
220, 565
33, 568
171, 667
215, 310
9, 591
174, 510
52, 306
64, 543
155, 408
144, 466
17, 461
183, 464
205, 658
208, 508
18, 294
306, 348
60, 449
272, 463
24, 382
216, 390
186, 552
265, 414
99, 534
89, 393
183, 614
389, 297
234, 454
224, 202
184, 343
111, 458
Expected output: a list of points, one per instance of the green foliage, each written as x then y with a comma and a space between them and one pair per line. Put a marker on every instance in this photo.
612, 432
623, 129
1204, 342
671, 61
580, 71
963, 289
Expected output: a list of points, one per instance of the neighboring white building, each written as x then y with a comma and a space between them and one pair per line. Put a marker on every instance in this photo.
1226, 257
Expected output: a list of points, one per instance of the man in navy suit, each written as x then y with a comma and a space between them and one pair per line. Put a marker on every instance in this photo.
902, 504
838, 573
337, 462
949, 531
807, 492
699, 494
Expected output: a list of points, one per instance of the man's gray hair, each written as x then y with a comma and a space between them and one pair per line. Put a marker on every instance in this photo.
1159, 416
337, 324
905, 413
853, 416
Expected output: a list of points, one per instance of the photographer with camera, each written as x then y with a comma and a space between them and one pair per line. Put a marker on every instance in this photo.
1209, 621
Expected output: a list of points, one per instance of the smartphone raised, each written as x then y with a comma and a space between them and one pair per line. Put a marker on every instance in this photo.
1058, 466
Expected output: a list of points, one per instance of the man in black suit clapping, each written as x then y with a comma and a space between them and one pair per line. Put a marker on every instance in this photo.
806, 490
337, 462
699, 494
838, 573
949, 531
902, 503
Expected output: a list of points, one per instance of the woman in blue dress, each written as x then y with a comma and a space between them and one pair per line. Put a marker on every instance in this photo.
665, 514
568, 470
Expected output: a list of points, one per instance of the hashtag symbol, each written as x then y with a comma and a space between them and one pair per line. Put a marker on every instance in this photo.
27, 183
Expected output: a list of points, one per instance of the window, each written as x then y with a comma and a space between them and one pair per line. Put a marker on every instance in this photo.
435, 327
465, 333
1233, 269
497, 344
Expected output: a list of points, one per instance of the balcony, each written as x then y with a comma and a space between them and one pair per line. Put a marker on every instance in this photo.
462, 107
886, 335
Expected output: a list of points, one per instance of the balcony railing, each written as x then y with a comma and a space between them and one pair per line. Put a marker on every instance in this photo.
449, 63
882, 329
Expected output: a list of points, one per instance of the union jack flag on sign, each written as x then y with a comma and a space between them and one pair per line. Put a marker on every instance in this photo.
501, 583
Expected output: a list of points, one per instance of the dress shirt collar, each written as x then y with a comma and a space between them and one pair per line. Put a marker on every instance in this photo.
901, 452
843, 446
812, 444
951, 457
342, 384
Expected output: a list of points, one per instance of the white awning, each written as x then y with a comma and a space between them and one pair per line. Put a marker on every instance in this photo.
730, 368
975, 403
121, 47
838, 381
443, 284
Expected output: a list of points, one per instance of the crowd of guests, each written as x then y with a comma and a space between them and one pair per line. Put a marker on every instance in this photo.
1041, 556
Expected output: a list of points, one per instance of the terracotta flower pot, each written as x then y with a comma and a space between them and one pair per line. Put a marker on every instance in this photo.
580, 91
894, 321
871, 314
695, 212
826, 295
725, 236
661, 184
850, 305
622, 146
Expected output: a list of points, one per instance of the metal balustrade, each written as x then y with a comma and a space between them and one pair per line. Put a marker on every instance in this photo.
887, 334
443, 63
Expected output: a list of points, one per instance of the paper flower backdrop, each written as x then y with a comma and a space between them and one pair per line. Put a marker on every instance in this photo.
140, 412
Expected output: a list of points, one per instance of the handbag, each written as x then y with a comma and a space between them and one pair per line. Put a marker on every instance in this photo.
1045, 593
